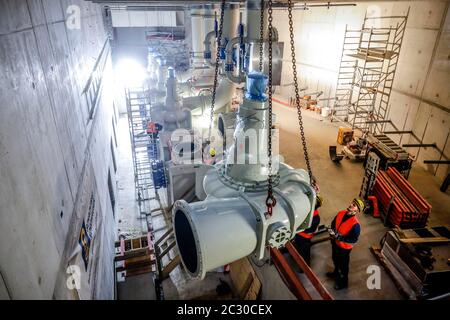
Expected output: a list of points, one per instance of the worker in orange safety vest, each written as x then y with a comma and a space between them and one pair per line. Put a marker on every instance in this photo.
303, 239
344, 232
153, 129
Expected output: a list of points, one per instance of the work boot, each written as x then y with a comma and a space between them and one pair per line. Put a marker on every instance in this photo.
340, 284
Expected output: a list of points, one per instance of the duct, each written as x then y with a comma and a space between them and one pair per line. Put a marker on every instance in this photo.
231, 222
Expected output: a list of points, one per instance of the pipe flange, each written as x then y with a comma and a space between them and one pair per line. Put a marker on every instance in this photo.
186, 209
248, 187
279, 235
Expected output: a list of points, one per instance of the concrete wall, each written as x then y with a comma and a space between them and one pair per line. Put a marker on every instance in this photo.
420, 100
54, 154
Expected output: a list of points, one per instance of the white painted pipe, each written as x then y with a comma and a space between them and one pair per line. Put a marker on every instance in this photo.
229, 62
162, 77
172, 99
208, 45
254, 21
226, 122
231, 222
224, 93
208, 20
212, 233
229, 30
186, 152
225, 89
230, 22
198, 33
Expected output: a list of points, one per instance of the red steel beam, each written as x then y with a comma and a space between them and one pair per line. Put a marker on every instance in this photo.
308, 272
289, 275
411, 193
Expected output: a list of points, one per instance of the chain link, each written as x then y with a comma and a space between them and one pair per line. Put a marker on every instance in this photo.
216, 71
270, 201
261, 38
297, 94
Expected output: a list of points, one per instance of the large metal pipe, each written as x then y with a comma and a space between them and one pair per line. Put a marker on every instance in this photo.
200, 235
231, 222
252, 40
208, 54
224, 93
208, 19
225, 89
229, 31
254, 21
197, 33
229, 63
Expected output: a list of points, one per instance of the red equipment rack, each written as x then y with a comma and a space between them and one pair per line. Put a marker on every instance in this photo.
402, 204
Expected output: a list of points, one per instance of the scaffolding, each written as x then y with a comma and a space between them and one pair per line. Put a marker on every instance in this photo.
366, 72
138, 108
151, 178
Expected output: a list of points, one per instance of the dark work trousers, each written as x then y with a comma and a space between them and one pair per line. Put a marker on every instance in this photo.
303, 246
341, 260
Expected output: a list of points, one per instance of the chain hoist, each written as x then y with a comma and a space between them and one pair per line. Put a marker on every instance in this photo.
270, 201
261, 37
297, 94
216, 74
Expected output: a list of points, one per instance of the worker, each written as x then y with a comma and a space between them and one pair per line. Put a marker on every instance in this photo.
303, 239
153, 129
344, 232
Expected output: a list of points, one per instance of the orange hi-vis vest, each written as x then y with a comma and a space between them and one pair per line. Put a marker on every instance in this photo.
343, 228
306, 234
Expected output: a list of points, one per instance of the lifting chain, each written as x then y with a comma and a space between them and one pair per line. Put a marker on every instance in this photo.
261, 37
216, 74
271, 202
297, 94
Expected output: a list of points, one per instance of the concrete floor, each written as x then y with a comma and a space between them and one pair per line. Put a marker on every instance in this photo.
339, 184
